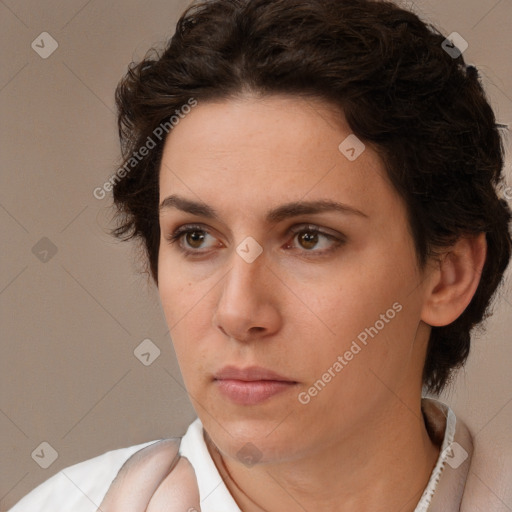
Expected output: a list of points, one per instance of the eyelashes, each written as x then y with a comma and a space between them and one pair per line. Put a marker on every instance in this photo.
314, 235
179, 234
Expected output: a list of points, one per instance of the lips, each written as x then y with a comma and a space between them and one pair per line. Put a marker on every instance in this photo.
251, 386
253, 373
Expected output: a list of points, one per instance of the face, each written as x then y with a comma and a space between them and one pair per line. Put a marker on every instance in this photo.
287, 275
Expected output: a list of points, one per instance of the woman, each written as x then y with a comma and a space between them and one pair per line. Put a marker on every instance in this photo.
315, 187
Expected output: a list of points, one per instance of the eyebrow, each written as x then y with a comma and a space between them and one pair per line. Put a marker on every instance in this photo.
274, 216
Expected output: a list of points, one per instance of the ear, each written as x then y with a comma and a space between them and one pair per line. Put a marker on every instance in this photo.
453, 282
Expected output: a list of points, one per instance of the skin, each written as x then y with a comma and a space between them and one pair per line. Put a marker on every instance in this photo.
360, 443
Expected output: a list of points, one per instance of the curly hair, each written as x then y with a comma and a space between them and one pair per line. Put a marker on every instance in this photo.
420, 107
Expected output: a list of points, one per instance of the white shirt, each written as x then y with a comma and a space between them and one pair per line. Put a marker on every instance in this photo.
81, 488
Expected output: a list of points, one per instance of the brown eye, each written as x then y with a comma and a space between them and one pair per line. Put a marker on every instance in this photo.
308, 239
194, 239
191, 239
312, 241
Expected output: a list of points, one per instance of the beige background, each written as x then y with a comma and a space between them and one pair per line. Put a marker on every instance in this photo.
70, 326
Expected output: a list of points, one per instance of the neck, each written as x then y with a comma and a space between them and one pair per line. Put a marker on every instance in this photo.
384, 466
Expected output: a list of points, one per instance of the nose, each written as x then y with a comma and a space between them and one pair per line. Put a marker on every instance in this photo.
247, 308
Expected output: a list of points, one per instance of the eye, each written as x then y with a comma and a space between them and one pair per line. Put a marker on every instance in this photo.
310, 237
190, 238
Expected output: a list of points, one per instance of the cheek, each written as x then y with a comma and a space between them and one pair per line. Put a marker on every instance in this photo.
349, 299
185, 305
176, 291
366, 309
374, 349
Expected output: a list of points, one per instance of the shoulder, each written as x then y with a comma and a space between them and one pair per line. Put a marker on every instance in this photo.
80, 487
474, 470
155, 477
489, 482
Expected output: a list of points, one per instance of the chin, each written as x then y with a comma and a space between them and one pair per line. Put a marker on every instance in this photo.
255, 440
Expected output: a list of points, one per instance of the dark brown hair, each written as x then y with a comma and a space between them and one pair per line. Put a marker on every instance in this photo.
420, 107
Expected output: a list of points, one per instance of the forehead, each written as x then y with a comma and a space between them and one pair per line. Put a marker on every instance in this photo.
250, 152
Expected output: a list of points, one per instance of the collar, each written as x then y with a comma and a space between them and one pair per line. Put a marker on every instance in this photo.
445, 489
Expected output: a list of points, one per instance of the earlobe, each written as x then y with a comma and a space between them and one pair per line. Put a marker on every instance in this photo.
454, 281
